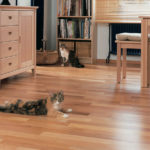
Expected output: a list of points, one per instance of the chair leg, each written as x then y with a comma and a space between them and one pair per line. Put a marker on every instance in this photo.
124, 65
118, 63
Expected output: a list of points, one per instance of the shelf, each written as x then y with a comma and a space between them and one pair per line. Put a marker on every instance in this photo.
76, 23
85, 60
73, 39
75, 17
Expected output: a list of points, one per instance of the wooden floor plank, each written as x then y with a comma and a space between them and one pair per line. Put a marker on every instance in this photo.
106, 116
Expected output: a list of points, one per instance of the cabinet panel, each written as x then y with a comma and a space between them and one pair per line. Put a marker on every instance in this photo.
9, 33
9, 18
8, 49
8, 64
26, 22
84, 49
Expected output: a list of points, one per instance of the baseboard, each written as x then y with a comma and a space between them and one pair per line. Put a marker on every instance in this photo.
113, 62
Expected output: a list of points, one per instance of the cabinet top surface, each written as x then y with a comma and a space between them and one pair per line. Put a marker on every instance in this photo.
8, 7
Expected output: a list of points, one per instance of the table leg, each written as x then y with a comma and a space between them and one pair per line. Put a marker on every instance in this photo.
144, 54
124, 64
118, 63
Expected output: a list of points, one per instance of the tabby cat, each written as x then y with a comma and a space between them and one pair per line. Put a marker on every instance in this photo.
56, 101
69, 56
39, 107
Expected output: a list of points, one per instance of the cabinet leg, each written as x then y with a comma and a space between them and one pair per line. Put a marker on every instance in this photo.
34, 72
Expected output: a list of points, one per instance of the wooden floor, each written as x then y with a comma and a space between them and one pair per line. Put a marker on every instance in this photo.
106, 116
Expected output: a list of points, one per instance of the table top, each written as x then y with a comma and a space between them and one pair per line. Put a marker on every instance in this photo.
145, 16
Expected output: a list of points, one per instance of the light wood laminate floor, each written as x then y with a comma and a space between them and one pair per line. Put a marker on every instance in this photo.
106, 116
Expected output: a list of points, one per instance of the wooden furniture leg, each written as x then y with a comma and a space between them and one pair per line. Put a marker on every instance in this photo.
144, 54
34, 72
124, 45
124, 63
118, 63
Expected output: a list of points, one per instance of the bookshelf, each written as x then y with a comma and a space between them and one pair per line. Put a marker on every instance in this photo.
75, 27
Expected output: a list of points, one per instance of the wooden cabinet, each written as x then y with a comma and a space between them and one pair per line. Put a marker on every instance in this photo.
17, 40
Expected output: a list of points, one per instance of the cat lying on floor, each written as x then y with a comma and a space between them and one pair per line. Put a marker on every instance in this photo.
38, 107
69, 57
56, 101
26, 108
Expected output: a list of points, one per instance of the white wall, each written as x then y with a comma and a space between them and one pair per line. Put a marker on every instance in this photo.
102, 41
24, 2
103, 44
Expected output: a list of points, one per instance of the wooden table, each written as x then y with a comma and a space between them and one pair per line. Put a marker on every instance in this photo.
145, 54
119, 11
145, 46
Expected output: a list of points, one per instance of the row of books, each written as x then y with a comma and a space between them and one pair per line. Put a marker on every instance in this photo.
73, 28
74, 7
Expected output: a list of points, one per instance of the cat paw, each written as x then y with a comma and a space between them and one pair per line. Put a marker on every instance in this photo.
69, 110
65, 115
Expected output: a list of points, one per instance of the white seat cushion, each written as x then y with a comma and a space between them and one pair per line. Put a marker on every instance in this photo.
128, 36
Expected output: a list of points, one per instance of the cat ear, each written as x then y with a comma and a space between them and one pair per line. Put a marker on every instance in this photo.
62, 92
61, 96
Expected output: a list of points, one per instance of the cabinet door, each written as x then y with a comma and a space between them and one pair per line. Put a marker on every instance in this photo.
27, 48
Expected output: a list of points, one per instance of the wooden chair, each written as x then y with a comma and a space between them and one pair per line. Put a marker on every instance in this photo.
125, 43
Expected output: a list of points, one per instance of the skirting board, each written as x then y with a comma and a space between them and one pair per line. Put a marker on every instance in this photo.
129, 62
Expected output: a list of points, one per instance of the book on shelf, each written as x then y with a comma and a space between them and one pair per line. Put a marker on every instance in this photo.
84, 13
63, 31
77, 10
86, 29
74, 28
59, 7
82, 29
74, 7
69, 27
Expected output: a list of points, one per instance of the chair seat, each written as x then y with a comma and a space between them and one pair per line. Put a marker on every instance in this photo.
129, 36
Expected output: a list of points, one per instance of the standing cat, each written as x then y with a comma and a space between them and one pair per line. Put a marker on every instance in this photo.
64, 52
